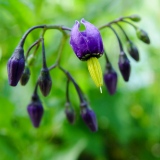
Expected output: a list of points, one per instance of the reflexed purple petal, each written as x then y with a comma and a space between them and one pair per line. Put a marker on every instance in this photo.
110, 79
87, 43
77, 41
89, 118
35, 111
93, 38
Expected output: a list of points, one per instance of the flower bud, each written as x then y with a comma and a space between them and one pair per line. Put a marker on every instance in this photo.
45, 82
89, 118
70, 115
15, 66
110, 79
133, 51
124, 66
35, 111
25, 76
31, 59
142, 35
135, 18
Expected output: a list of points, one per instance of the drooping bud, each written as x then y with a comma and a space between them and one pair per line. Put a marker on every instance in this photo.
110, 79
70, 114
15, 66
31, 59
124, 66
133, 51
135, 18
35, 111
45, 82
89, 118
25, 76
142, 35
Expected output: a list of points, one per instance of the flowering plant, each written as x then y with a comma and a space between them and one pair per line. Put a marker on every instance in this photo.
88, 46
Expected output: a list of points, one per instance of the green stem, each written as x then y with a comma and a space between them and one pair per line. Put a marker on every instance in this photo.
59, 27
67, 91
119, 41
127, 38
81, 98
36, 43
43, 54
134, 26
64, 38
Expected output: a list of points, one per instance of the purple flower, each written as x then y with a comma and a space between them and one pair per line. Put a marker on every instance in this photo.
35, 111
15, 66
124, 66
87, 43
110, 79
45, 82
89, 118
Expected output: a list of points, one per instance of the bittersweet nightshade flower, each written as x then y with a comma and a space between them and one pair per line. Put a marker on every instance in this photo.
110, 79
70, 115
88, 46
133, 51
35, 111
15, 66
142, 35
25, 76
89, 117
124, 66
45, 81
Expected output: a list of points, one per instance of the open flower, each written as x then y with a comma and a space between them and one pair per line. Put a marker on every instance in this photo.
88, 46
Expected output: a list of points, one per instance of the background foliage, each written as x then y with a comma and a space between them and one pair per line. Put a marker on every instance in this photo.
129, 121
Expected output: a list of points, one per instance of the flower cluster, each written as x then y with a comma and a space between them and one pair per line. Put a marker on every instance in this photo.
87, 46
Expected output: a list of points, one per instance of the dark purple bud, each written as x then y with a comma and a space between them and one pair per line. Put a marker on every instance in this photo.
124, 66
110, 79
15, 66
25, 76
87, 43
133, 51
70, 115
35, 111
143, 36
45, 82
89, 118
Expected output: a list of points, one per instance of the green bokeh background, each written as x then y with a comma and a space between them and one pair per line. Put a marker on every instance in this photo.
129, 121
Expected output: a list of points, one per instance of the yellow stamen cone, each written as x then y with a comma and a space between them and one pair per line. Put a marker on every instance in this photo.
95, 71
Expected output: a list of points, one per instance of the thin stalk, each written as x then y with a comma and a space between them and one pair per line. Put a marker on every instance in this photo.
67, 91
36, 43
59, 27
64, 38
115, 21
134, 26
43, 54
119, 41
127, 38
81, 98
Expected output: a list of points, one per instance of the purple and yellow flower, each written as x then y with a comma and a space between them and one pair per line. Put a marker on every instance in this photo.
88, 46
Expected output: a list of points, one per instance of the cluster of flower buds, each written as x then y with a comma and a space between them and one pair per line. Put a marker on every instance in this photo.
88, 46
